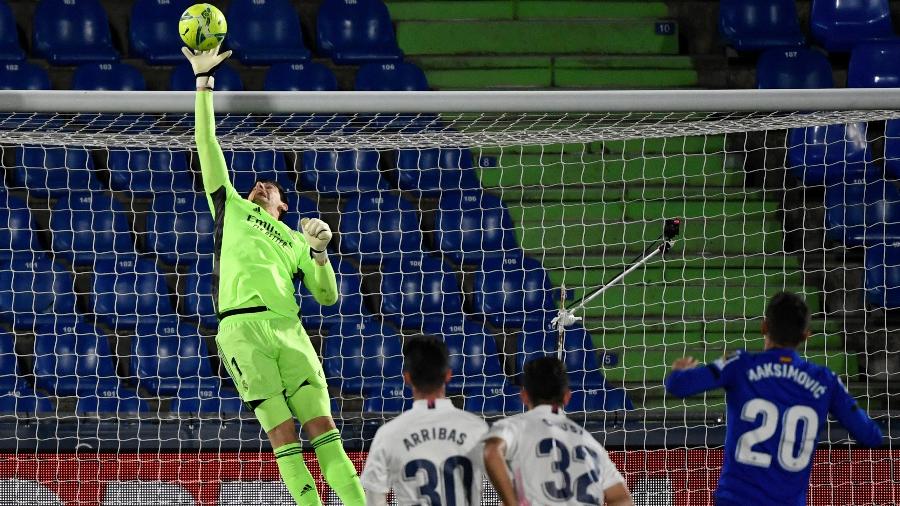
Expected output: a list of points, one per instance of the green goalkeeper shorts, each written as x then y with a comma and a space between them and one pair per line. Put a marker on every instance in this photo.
268, 355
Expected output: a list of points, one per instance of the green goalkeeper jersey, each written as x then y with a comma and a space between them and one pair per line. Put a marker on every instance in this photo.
257, 257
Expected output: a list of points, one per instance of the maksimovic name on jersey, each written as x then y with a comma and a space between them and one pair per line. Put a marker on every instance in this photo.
434, 434
787, 371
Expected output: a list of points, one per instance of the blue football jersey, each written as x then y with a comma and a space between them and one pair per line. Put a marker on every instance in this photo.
777, 403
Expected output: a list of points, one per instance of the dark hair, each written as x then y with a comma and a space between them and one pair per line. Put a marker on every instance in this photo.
546, 381
787, 317
277, 185
426, 360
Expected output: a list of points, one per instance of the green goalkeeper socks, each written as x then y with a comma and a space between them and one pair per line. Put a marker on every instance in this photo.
337, 468
296, 476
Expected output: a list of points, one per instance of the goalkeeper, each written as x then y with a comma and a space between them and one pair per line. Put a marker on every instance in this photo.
261, 341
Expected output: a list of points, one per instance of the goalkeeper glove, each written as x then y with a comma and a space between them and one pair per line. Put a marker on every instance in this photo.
317, 234
204, 64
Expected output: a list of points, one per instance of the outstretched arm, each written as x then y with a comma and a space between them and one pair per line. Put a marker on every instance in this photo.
498, 471
688, 377
863, 429
318, 274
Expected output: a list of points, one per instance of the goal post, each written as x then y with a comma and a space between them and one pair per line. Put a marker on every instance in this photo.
465, 215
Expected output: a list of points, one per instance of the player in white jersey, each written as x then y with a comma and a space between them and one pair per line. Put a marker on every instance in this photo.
540, 457
423, 453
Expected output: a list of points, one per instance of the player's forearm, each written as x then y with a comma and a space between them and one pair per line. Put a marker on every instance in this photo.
618, 495
687, 382
321, 282
864, 430
498, 472
212, 160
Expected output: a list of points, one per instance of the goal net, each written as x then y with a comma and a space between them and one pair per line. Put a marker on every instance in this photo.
475, 227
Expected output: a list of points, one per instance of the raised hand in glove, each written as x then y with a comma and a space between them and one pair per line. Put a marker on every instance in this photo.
204, 64
317, 234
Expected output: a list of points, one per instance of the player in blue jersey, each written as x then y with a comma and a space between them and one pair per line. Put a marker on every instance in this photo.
777, 403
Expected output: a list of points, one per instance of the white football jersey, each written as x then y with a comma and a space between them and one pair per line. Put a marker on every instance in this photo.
553, 460
423, 455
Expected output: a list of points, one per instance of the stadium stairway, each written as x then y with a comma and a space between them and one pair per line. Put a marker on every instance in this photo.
586, 213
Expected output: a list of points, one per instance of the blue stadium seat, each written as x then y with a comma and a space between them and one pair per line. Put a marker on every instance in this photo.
16, 394
108, 76
580, 357
72, 359
69, 32
10, 379
513, 291
16, 227
305, 208
268, 32
503, 399
198, 302
24, 402
892, 148
883, 275
845, 212
471, 226
127, 290
473, 359
828, 154
752, 25
147, 171
124, 404
203, 401
179, 227
362, 356
874, 65
150, 31
794, 68
882, 203
429, 172
357, 31
396, 76
35, 292
350, 301
334, 172
86, 226
54, 171
227, 79
612, 399
391, 399
246, 167
23, 76
378, 225
168, 356
10, 50
418, 288
306, 76
839, 25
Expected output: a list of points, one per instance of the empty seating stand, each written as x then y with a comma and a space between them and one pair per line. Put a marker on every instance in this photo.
149, 171
108, 76
362, 357
470, 226
35, 292
150, 30
179, 227
356, 31
753, 25
875, 65
794, 68
379, 225
23, 76
69, 32
416, 289
268, 32
10, 50
839, 25
335, 172
86, 226
128, 290
428, 172
306, 76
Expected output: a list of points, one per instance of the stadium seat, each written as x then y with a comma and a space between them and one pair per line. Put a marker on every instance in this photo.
108, 76
845, 212
126, 403
883, 275
25, 402
473, 360
69, 32
428, 172
392, 399
127, 290
752, 25
9, 369
150, 31
54, 171
828, 154
16, 225
179, 227
839, 25
495, 400
168, 356
86, 226
874, 65
362, 356
306, 76
10, 50
227, 79
246, 167
378, 225
353, 32
16, 394
512, 291
74, 360
416, 289
611, 399
335, 172
23, 76
305, 208
396, 76
149, 171
268, 32
892, 148
794, 68
35, 291
350, 301
198, 289
882, 204
471, 226
203, 401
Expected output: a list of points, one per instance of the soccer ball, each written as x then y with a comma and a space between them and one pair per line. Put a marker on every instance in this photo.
202, 27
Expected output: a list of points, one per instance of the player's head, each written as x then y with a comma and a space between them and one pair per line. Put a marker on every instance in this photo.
546, 382
787, 320
426, 365
269, 194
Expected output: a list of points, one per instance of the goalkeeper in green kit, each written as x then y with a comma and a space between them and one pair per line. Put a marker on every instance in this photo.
261, 341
